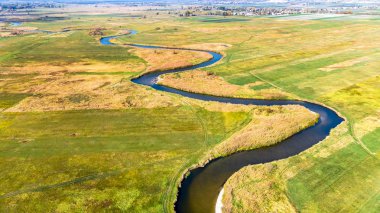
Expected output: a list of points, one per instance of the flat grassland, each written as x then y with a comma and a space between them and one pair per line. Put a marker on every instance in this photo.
77, 135
330, 61
339, 69
103, 159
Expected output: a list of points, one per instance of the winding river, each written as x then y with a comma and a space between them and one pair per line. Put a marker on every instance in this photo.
199, 190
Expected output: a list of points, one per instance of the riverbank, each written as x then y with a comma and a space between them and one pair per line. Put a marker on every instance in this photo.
291, 146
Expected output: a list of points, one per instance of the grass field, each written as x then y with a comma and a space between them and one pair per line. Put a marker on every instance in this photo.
75, 134
336, 176
91, 160
340, 70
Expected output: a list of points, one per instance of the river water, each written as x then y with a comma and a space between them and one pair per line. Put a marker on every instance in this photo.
200, 189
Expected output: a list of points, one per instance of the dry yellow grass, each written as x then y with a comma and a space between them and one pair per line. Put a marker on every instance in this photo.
367, 124
344, 64
266, 195
16, 31
91, 92
220, 107
160, 59
208, 83
59, 87
269, 125
218, 47
85, 66
26, 28
5, 34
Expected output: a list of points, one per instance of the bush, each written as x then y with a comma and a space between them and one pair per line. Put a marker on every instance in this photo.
78, 98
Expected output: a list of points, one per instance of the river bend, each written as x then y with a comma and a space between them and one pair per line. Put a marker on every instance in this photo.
199, 190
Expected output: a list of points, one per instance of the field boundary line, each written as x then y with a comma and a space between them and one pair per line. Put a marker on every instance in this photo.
358, 140
201, 121
350, 124
266, 81
173, 182
62, 184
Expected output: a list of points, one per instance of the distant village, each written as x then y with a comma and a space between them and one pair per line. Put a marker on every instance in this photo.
205, 9
266, 11
24, 5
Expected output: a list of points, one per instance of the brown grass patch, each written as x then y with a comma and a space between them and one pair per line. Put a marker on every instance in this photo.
85, 66
161, 59
55, 88
344, 64
218, 47
6, 34
269, 125
209, 83
91, 92
267, 194
25, 28
367, 124
220, 107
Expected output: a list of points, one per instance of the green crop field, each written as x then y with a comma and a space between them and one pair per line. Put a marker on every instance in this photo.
351, 172
76, 135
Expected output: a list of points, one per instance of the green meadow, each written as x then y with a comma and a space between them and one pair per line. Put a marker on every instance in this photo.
339, 69
93, 159
73, 48
103, 159
351, 173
